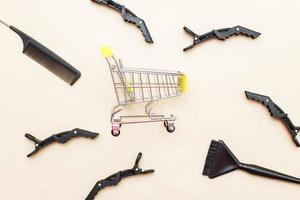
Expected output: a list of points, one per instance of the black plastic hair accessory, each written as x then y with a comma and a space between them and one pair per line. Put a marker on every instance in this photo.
278, 113
116, 178
220, 34
60, 138
128, 16
46, 57
220, 160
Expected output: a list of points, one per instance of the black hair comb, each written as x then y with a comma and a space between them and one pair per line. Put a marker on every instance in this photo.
46, 57
60, 138
128, 16
116, 178
220, 160
278, 113
220, 34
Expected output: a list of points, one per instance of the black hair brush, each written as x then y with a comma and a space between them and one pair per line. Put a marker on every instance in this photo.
46, 57
220, 160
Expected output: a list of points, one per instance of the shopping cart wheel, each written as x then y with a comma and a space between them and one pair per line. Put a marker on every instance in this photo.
115, 133
169, 126
115, 129
170, 129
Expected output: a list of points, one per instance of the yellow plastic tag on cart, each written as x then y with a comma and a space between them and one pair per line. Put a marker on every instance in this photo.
183, 82
106, 51
130, 89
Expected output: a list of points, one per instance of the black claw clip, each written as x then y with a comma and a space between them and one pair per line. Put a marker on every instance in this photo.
220, 34
60, 138
116, 178
277, 113
128, 16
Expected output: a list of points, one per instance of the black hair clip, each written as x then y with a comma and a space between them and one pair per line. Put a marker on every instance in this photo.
128, 16
61, 138
114, 179
278, 113
220, 34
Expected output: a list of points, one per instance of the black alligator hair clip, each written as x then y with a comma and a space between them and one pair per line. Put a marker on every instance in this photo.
220, 34
128, 16
116, 178
60, 138
278, 113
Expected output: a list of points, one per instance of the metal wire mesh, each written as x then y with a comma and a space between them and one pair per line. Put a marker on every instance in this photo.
143, 85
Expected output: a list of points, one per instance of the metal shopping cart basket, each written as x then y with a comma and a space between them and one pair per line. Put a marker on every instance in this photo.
134, 86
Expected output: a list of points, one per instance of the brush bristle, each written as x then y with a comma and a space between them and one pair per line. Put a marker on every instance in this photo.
210, 157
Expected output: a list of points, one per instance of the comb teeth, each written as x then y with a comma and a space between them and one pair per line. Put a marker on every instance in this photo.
59, 68
47, 58
210, 157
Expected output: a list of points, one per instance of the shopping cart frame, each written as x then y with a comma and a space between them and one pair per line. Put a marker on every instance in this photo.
151, 85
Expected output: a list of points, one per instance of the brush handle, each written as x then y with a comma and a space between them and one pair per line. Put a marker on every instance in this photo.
261, 171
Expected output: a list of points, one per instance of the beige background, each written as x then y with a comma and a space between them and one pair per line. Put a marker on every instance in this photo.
33, 100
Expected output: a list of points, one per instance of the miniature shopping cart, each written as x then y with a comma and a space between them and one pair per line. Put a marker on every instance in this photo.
134, 86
